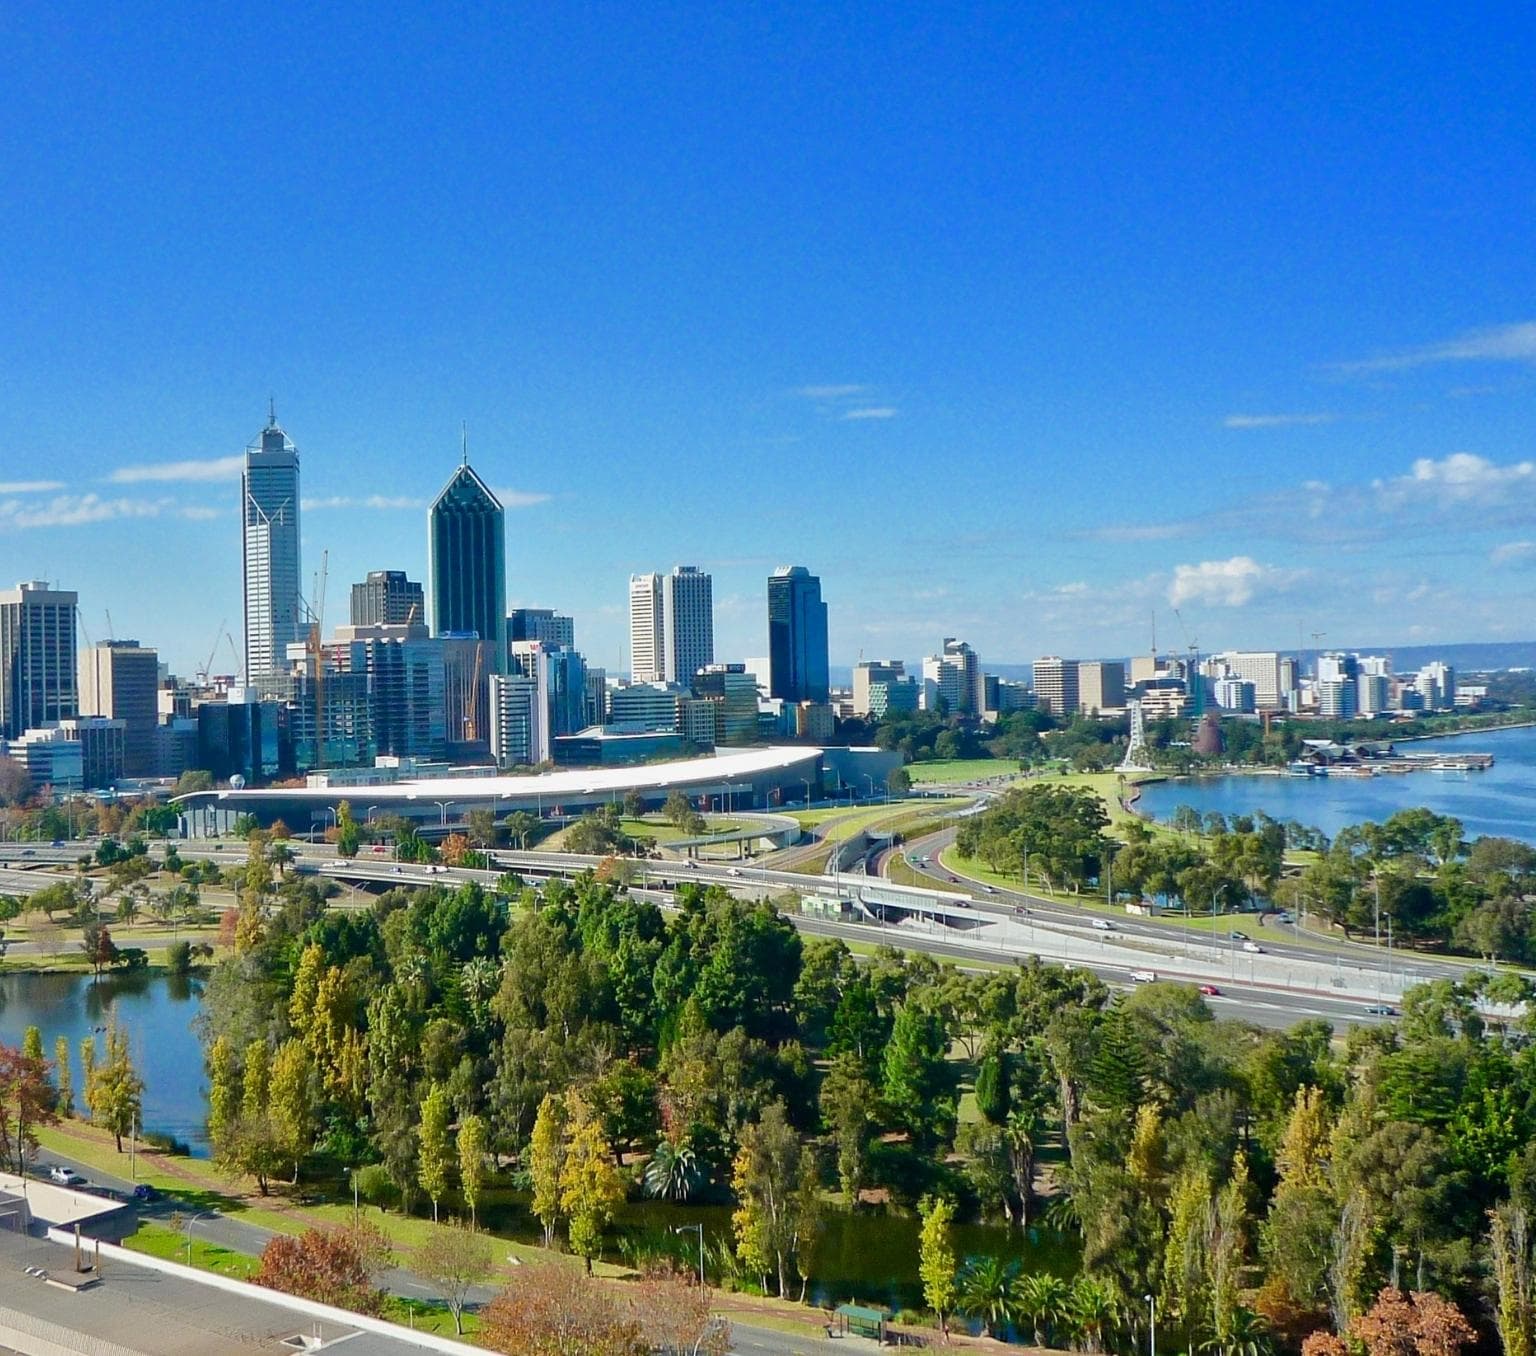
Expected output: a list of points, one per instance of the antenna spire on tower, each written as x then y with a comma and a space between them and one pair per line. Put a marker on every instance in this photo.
464, 441
271, 412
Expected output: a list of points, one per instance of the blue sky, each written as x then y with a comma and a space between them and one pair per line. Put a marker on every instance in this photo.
1015, 323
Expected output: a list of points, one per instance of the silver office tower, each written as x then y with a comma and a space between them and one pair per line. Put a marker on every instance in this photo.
467, 565
37, 658
274, 603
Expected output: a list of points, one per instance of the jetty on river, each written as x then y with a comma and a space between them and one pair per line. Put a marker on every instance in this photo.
1372, 757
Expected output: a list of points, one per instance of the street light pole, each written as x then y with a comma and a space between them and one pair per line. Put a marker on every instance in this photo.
1151, 1323
698, 1229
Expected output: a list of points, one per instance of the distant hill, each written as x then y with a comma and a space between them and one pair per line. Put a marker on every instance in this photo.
1473, 657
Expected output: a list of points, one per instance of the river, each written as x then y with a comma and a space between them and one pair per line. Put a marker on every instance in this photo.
1500, 800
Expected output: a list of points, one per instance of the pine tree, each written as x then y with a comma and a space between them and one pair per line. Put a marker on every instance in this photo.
473, 1142
435, 1152
936, 1263
992, 1088
1117, 1077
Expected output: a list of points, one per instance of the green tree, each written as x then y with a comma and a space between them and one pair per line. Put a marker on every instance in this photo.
591, 1187
992, 1088
473, 1144
986, 1291
848, 1101
348, 836
1509, 1250
223, 1092
546, 1163
61, 1076
774, 1177
291, 1102
115, 1091
936, 1257
435, 1152
917, 1086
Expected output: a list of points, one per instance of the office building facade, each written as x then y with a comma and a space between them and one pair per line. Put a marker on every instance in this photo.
519, 731
868, 674
120, 680
1056, 686
39, 684
797, 636
467, 565
388, 598
688, 623
269, 510
647, 632
541, 623
953, 678
1100, 686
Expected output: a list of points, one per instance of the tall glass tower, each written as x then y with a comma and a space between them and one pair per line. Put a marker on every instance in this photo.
467, 565
274, 605
797, 636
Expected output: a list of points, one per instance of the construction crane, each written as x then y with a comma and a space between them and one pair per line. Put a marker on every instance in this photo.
111, 630
316, 629
213, 649
472, 706
234, 654
1193, 682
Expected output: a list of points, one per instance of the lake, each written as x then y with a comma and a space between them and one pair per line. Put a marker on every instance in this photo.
1500, 800
155, 1010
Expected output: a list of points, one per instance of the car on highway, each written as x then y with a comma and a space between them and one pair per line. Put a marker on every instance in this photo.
954, 880
1020, 910
65, 1176
733, 871
1381, 1010
1143, 976
1103, 925
1254, 947
1210, 991
1238, 936
987, 889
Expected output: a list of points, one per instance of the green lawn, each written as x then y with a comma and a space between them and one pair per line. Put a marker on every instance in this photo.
844, 824
160, 1240
962, 770
652, 827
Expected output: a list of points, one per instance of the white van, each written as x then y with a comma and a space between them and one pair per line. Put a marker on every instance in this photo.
1143, 976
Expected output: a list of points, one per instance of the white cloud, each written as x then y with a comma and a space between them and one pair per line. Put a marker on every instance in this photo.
1226, 583
871, 412
74, 510
215, 468
1513, 553
516, 499
200, 513
1461, 478
1498, 343
371, 501
831, 392
29, 486
1245, 421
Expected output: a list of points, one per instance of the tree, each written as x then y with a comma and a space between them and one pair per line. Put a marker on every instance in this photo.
776, 1187
519, 825
473, 1144
1042, 1299
936, 1257
223, 1093
546, 1163
114, 1091
672, 1171
62, 1078
848, 1107
1420, 1325
330, 1266
348, 836
678, 810
27, 1099
291, 1102
985, 1290
1509, 1250
435, 1151
99, 948
992, 1088
557, 1311
675, 1319
917, 1084
454, 1260
591, 1187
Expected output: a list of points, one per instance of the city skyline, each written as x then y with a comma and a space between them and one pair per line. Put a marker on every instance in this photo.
1147, 329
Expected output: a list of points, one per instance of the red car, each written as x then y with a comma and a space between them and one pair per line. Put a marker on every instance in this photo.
1210, 991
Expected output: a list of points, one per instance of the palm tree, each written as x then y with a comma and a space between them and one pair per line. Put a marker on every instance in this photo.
1042, 1299
986, 1291
1091, 1311
1247, 1335
672, 1172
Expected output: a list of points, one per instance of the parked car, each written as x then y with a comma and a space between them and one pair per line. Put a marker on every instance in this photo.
1210, 991
65, 1176
142, 1192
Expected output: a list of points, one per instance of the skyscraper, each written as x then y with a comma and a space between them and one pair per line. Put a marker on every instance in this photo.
647, 635
467, 565
37, 658
120, 679
797, 636
269, 491
387, 598
688, 623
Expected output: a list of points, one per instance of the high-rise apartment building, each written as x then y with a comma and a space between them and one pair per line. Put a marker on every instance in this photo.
647, 634
38, 678
1436, 684
519, 731
797, 636
274, 603
1259, 667
868, 674
120, 680
688, 622
1056, 686
387, 598
467, 565
953, 677
541, 623
1100, 685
